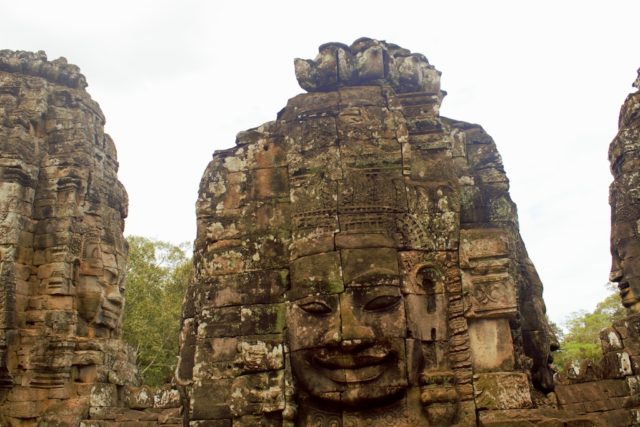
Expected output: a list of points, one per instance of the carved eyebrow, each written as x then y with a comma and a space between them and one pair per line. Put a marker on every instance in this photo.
377, 275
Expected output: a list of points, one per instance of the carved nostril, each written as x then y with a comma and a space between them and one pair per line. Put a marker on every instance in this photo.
332, 337
357, 333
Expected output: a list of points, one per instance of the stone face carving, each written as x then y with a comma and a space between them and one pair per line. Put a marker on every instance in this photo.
358, 261
100, 287
347, 340
624, 197
62, 252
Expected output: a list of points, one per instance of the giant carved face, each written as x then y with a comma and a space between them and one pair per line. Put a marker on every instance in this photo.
347, 327
626, 272
100, 300
99, 289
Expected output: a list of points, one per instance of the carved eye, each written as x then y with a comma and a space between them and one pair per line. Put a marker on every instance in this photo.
316, 307
383, 302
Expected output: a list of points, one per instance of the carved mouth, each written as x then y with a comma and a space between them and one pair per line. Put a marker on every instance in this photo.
353, 368
625, 292
56, 282
110, 314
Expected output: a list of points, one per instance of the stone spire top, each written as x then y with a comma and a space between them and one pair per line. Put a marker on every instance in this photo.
36, 64
366, 62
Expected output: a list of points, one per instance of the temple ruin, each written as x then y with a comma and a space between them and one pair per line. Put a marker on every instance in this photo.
357, 263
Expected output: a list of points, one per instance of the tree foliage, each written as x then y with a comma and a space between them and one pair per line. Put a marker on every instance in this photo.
157, 277
582, 337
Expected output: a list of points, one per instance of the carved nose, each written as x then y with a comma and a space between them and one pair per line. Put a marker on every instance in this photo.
615, 275
354, 333
114, 296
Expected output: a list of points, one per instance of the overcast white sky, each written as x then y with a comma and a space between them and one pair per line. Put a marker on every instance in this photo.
178, 79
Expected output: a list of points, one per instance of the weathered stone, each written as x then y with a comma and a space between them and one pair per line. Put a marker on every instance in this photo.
591, 391
531, 417
357, 262
491, 345
104, 395
62, 251
406, 270
138, 397
502, 390
624, 157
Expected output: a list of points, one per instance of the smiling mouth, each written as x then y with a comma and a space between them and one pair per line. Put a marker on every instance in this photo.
624, 291
353, 368
110, 314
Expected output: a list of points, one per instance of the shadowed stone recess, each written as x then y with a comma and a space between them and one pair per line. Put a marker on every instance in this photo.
358, 263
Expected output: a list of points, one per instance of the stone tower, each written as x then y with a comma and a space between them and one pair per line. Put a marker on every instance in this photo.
62, 251
624, 197
358, 262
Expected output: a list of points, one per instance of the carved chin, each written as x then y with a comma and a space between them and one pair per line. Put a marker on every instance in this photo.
364, 395
103, 317
108, 319
628, 300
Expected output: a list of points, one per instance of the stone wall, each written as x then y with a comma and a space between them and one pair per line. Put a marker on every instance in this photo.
609, 391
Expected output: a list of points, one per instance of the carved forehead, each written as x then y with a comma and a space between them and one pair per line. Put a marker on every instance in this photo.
346, 265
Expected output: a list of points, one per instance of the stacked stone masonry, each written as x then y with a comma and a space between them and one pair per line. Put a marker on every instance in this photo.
62, 253
357, 263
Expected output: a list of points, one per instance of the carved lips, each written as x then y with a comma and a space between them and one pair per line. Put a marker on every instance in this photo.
348, 368
627, 297
110, 316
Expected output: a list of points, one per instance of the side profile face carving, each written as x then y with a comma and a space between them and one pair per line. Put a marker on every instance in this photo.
347, 342
99, 290
624, 158
625, 272
100, 300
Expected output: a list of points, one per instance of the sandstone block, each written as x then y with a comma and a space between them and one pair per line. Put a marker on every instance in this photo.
103, 395
502, 390
491, 344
